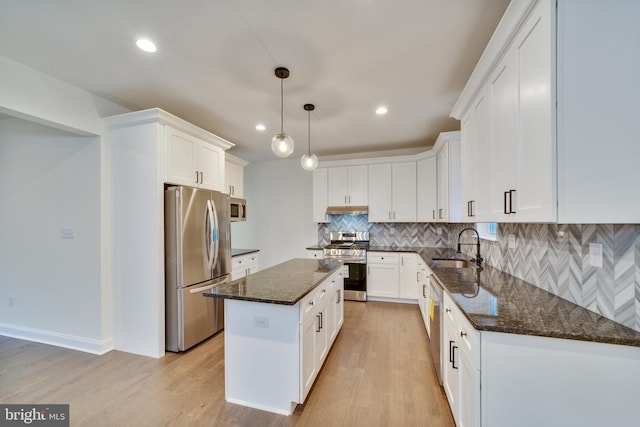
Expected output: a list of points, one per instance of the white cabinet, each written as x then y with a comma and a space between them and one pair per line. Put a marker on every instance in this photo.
320, 195
424, 293
427, 189
321, 317
460, 365
244, 265
552, 104
192, 161
383, 274
315, 253
140, 163
234, 176
392, 275
477, 162
348, 186
448, 152
392, 192
408, 276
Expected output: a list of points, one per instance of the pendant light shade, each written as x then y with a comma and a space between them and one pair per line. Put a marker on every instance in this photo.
282, 144
309, 161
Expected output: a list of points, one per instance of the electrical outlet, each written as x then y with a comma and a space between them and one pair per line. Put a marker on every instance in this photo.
392, 231
11, 301
512, 241
261, 322
595, 255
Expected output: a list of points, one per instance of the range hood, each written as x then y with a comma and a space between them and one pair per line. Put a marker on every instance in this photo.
347, 210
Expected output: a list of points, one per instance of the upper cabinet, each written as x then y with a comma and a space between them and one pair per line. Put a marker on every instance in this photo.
192, 161
392, 192
546, 126
234, 176
348, 186
427, 189
448, 152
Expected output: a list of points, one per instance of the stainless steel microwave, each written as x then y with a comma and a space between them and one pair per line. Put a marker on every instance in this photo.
238, 209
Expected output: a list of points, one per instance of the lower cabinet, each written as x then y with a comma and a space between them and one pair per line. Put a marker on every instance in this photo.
460, 365
321, 317
424, 293
244, 265
392, 275
315, 253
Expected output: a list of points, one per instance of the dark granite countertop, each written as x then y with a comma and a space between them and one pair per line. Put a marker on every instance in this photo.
315, 248
496, 301
285, 283
238, 252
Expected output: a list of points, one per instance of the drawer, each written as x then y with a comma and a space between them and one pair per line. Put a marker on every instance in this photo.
314, 300
383, 258
468, 340
315, 253
242, 261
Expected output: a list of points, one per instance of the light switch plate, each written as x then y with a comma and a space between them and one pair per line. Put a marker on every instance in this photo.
512, 241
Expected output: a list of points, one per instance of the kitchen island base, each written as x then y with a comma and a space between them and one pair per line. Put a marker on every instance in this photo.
275, 347
262, 363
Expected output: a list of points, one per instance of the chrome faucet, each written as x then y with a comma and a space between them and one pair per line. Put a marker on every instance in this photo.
478, 258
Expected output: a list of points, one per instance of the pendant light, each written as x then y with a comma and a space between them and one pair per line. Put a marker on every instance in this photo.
309, 161
282, 144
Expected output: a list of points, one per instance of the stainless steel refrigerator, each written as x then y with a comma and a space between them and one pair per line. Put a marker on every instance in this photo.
197, 258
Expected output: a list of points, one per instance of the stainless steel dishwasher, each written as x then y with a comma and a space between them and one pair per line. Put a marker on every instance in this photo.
436, 323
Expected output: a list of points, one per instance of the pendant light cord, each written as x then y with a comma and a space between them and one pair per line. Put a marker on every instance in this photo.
281, 105
309, 132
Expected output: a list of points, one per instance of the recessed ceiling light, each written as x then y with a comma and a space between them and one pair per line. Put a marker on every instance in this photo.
260, 127
381, 110
146, 45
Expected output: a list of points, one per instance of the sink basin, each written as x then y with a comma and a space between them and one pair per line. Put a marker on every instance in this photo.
453, 263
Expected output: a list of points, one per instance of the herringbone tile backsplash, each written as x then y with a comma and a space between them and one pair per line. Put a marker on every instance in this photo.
558, 264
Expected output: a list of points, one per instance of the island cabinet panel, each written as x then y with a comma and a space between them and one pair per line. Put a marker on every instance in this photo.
274, 352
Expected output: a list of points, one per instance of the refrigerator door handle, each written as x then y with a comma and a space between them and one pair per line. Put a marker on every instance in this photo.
210, 286
209, 237
216, 239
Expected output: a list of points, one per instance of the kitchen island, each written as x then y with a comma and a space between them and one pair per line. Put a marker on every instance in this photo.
280, 324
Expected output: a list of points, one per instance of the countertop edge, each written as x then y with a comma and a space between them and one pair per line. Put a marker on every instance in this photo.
240, 252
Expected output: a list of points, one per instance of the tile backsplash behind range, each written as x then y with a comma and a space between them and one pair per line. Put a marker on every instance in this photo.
388, 234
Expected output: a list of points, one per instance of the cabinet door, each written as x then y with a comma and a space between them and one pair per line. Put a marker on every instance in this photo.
380, 193
484, 159
443, 184
469, 408
320, 195
338, 183
332, 309
209, 161
180, 150
339, 291
535, 195
403, 193
358, 185
309, 368
322, 334
382, 280
450, 358
409, 276
504, 116
426, 192
234, 180
469, 129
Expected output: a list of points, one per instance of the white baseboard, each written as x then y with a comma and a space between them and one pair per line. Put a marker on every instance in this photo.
386, 299
55, 338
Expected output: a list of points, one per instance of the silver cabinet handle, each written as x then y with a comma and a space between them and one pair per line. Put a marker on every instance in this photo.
318, 323
339, 298
197, 177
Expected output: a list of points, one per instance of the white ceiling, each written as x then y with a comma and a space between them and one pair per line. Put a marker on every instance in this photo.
215, 61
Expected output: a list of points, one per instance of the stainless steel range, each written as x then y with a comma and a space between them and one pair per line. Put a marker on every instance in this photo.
351, 248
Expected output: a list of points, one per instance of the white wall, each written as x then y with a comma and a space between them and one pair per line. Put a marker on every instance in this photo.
279, 220
49, 180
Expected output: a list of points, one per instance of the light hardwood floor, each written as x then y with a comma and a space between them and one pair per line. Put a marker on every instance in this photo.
378, 373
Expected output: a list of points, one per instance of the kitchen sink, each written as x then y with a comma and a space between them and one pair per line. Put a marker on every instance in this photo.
453, 263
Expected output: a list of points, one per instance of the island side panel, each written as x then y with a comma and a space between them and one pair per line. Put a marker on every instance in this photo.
533, 381
262, 363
